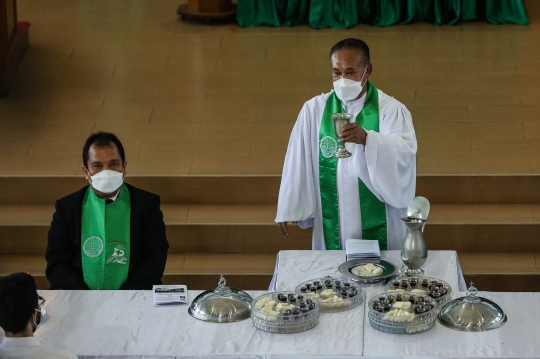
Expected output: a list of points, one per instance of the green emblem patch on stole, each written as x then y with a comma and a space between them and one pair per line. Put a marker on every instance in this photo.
328, 146
93, 247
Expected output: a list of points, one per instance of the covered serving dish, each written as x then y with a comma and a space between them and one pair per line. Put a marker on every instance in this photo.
334, 295
221, 305
471, 313
285, 312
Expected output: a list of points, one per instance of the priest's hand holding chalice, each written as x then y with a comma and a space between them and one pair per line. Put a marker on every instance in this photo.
347, 132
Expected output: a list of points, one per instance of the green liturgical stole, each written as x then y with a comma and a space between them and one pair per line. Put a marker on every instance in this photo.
372, 211
105, 240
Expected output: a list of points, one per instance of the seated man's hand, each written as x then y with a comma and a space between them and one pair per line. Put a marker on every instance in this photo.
283, 229
353, 132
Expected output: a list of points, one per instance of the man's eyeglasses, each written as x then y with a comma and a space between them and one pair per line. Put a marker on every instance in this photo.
41, 300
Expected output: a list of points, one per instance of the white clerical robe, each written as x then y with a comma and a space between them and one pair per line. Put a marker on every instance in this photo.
30, 348
386, 164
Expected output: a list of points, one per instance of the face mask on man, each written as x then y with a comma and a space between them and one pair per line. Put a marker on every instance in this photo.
107, 181
40, 314
347, 90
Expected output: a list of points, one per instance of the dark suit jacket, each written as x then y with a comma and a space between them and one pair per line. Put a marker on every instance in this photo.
148, 242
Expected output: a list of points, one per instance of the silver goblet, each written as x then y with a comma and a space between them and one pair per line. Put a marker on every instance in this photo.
340, 120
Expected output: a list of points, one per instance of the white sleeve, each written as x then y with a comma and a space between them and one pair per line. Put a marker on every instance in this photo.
297, 193
387, 164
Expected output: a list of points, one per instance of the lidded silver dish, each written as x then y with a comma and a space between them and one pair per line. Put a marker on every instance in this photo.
221, 305
471, 313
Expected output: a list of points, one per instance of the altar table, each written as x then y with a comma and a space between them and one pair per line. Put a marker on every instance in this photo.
99, 324
125, 324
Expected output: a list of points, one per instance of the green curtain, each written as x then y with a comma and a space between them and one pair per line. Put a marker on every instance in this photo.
252, 13
342, 14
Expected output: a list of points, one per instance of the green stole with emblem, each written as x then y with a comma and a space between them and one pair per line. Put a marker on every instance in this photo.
372, 210
105, 243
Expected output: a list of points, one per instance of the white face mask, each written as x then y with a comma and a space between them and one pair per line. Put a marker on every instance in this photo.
347, 90
107, 181
39, 318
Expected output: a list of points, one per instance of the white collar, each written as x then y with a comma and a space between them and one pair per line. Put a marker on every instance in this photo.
10, 342
359, 102
116, 195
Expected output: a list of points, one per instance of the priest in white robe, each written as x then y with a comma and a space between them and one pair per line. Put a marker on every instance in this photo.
332, 200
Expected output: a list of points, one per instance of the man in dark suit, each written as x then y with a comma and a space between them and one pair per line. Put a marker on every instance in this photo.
109, 235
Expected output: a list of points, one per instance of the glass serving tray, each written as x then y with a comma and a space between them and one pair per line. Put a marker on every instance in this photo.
437, 289
285, 312
347, 269
334, 295
384, 314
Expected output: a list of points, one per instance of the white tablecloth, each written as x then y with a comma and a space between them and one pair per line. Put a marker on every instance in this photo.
518, 338
103, 323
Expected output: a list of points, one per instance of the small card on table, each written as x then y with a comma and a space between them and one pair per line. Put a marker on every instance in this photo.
169, 294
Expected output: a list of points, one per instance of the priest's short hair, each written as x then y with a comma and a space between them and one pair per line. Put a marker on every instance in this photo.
352, 43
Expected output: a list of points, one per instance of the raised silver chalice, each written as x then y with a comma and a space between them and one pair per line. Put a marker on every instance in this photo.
340, 120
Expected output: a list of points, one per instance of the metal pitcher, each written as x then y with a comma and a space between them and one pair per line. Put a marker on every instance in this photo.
414, 250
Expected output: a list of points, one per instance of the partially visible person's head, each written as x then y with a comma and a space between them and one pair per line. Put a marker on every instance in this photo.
18, 302
103, 150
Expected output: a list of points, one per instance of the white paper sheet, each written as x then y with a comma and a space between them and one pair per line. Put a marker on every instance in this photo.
362, 248
169, 295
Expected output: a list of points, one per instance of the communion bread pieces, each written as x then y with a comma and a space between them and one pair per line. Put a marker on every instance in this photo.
327, 293
330, 299
285, 312
367, 270
289, 306
399, 315
260, 304
402, 312
402, 305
